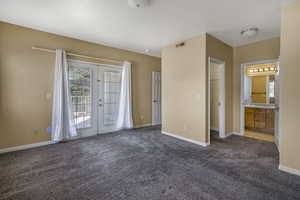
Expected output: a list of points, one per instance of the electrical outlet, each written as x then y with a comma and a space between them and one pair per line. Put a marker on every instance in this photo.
142, 118
35, 132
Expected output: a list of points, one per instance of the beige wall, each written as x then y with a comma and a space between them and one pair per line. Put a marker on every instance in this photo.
258, 51
184, 86
26, 77
219, 50
290, 93
184, 89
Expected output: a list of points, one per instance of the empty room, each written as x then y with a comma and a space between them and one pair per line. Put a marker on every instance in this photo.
149, 100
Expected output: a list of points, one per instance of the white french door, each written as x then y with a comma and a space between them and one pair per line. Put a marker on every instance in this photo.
156, 98
95, 93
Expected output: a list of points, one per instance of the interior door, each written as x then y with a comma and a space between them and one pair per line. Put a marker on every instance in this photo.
156, 98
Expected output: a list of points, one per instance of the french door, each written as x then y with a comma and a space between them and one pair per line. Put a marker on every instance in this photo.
95, 93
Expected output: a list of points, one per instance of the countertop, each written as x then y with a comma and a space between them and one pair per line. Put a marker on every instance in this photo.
263, 106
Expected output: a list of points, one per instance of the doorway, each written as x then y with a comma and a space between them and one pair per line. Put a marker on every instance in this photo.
95, 93
260, 100
156, 98
216, 98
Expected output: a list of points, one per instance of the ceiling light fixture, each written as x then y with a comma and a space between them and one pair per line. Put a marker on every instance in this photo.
138, 3
250, 32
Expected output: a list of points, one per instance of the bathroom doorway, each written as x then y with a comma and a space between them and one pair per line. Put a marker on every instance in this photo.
260, 100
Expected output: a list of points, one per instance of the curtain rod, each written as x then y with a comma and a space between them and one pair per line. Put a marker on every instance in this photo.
78, 55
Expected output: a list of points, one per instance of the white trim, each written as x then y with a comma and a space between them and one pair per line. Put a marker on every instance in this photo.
143, 125
232, 133
237, 133
185, 139
289, 170
222, 115
27, 146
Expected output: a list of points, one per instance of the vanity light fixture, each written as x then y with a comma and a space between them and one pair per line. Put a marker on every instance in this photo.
266, 69
261, 70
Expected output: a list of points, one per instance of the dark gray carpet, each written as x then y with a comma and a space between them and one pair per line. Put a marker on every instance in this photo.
143, 164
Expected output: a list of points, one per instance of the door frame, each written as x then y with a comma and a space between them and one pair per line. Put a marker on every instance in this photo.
83, 131
242, 103
152, 99
222, 117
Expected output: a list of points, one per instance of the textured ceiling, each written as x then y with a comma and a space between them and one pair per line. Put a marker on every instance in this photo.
114, 23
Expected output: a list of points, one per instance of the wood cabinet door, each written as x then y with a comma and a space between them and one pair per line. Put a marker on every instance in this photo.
270, 119
260, 118
249, 118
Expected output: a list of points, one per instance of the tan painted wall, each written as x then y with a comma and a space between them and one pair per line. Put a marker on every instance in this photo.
184, 89
219, 50
184, 86
26, 76
262, 50
290, 93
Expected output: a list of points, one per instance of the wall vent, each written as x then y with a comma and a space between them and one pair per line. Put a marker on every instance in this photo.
180, 44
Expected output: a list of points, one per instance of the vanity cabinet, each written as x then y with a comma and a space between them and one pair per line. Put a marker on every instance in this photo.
259, 119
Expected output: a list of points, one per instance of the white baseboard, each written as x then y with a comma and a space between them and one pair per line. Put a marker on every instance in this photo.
143, 125
289, 170
27, 146
236, 133
228, 134
185, 139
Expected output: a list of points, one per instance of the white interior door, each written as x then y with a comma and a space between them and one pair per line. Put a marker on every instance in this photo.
95, 93
156, 98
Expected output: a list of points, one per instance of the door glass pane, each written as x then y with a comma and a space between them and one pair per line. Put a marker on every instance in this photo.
81, 95
112, 86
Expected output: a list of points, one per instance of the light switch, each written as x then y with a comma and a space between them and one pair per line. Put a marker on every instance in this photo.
48, 96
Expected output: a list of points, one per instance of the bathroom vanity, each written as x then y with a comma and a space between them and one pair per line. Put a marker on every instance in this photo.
260, 117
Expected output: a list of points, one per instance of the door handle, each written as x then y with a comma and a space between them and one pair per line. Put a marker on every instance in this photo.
154, 101
100, 105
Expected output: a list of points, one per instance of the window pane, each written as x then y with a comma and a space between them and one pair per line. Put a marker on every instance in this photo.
80, 87
112, 83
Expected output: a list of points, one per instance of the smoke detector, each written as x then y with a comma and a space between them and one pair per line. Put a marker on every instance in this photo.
250, 32
138, 3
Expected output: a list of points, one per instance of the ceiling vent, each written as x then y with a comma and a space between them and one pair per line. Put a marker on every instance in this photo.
138, 3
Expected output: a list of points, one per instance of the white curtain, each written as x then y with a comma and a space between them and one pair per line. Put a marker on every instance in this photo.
63, 126
125, 107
